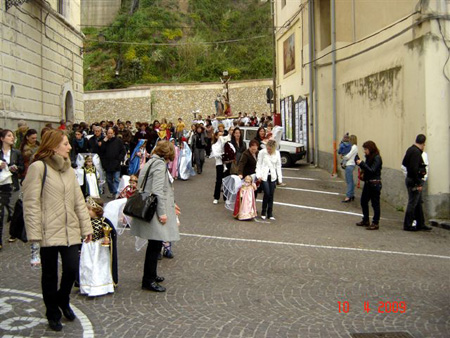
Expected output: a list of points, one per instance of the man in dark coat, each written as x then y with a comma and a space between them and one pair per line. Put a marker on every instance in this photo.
95, 139
416, 170
112, 153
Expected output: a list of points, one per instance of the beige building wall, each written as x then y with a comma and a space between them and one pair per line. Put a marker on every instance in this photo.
388, 94
99, 13
41, 64
147, 103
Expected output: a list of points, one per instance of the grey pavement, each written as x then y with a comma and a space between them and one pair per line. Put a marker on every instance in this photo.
281, 278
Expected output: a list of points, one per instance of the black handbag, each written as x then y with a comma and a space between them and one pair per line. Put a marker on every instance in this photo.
142, 204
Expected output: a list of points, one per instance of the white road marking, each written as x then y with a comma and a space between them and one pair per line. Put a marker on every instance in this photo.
311, 179
309, 190
315, 208
315, 246
88, 330
300, 178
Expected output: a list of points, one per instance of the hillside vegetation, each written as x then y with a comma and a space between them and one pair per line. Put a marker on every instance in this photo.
170, 41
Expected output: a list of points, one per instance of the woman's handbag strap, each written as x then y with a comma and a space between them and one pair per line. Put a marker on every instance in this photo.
144, 182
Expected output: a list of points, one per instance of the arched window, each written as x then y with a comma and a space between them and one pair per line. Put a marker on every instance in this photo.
68, 107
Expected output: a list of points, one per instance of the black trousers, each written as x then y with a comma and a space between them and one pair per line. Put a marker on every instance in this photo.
54, 297
220, 175
371, 192
414, 209
208, 147
5, 204
151, 261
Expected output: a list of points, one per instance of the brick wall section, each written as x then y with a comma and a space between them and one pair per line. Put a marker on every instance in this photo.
173, 101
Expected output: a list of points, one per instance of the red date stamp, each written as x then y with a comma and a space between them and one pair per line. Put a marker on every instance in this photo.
383, 307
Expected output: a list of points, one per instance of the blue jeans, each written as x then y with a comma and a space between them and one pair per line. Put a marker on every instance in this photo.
113, 180
269, 190
349, 180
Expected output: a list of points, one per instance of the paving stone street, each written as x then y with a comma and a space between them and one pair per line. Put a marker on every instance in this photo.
309, 273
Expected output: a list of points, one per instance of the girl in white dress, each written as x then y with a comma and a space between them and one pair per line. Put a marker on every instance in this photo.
96, 262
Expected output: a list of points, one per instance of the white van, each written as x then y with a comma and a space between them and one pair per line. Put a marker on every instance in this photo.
290, 152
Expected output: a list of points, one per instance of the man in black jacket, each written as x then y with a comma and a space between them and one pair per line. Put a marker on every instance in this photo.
96, 139
112, 153
416, 169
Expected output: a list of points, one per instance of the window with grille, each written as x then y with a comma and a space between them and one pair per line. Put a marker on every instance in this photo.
61, 7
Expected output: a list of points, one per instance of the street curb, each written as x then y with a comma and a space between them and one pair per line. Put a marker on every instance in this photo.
440, 223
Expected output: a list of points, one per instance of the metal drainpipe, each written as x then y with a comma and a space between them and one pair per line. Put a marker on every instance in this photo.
274, 69
311, 106
333, 62
316, 94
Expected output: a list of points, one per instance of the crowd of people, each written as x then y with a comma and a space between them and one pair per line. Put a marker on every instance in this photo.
61, 180
61, 177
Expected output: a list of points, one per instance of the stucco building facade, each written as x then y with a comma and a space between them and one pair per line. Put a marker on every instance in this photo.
41, 62
380, 74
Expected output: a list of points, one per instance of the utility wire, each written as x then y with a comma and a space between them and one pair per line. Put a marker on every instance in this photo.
417, 23
180, 44
364, 39
448, 50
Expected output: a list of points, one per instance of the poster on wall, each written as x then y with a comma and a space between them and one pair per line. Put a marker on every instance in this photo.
297, 122
289, 118
289, 54
301, 131
282, 118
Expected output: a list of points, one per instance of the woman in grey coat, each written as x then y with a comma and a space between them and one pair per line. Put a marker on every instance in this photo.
163, 227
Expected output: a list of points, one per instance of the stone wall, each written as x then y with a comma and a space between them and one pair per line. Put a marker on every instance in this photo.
99, 13
173, 101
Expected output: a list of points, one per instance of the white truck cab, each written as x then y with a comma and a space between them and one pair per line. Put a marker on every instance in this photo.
290, 152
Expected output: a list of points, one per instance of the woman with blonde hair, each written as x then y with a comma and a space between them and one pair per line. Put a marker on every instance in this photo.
57, 218
155, 179
348, 161
268, 171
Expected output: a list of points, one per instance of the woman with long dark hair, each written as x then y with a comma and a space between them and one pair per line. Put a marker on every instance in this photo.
80, 145
260, 136
28, 148
11, 166
237, 140
57, 218
371, 170
198, 147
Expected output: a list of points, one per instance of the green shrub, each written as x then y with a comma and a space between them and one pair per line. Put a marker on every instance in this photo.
188, 55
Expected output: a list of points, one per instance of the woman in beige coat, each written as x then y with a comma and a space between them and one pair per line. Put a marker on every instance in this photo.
56, 216
163, 226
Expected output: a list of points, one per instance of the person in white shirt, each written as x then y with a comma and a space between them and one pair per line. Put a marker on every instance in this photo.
268, 171
349, 160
